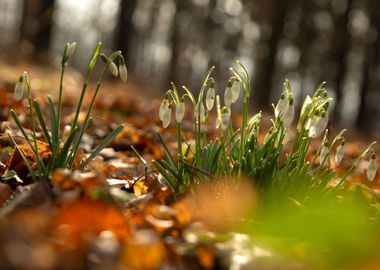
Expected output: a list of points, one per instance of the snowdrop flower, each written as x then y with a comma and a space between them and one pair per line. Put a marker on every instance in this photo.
372, 168
317, 124
113, 69
324, 153
19, 89
122, 69
210, 96
289, 113
166, 117
228, 95
306, 103
200, 111
235, 90
71, 49
281, 105
225, 121
180, 112
339, 153
163, 108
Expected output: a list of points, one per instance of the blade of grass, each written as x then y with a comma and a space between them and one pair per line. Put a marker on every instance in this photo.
42, 123
102, 145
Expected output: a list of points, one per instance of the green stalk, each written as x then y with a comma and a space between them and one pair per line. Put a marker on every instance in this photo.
243, 133
355, 165
100, 80
91, 65
60, 96
179, 139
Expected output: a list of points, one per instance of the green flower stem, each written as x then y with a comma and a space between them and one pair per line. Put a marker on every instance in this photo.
91, 65
30, 105
243, 132
355, 165
63, 66
179, 139
76, 147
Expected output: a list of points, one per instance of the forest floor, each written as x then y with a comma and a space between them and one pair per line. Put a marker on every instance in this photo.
114, 215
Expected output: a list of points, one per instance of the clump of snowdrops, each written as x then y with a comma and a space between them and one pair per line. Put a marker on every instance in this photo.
238, 151
63, 149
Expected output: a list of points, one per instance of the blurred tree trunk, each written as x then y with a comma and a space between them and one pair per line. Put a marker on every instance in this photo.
365, 117
125, 30
264, 77
36, 25
342, 48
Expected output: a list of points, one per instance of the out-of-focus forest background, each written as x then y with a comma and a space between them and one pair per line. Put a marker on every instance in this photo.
306, 41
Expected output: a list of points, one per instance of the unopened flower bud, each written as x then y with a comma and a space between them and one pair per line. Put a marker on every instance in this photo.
166, 117
324, 153
113, 69
71, 49
210, 97
228, 95
281, 105
180, 112
339, 153
235, 90
289, 114
200, 111
19, 89
372, 168
163, 107
122, 69
225, 121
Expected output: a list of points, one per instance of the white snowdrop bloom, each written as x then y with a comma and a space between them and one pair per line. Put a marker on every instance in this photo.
113, 68
288, 114
71, 49
372, 168
339, 153
163, 107
235, 90
323, 155
166, 117
123, 72
210, 98
228, 95
322, 123
316, 125
306, 103
180, 112
19, 89
281, 105
200, 111
225, 121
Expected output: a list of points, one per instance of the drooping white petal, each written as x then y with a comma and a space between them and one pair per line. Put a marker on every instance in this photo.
123, 72
71, 49
166, 117
324, 154
372, 169
163, 107
200, 111
235, 91
225, 120
180, 112
228, 97
288, 116
281, 105
210, 98
339, 154
306, 103
114, 70
19, 91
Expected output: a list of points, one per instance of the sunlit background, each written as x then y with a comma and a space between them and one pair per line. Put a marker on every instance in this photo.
174, 40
